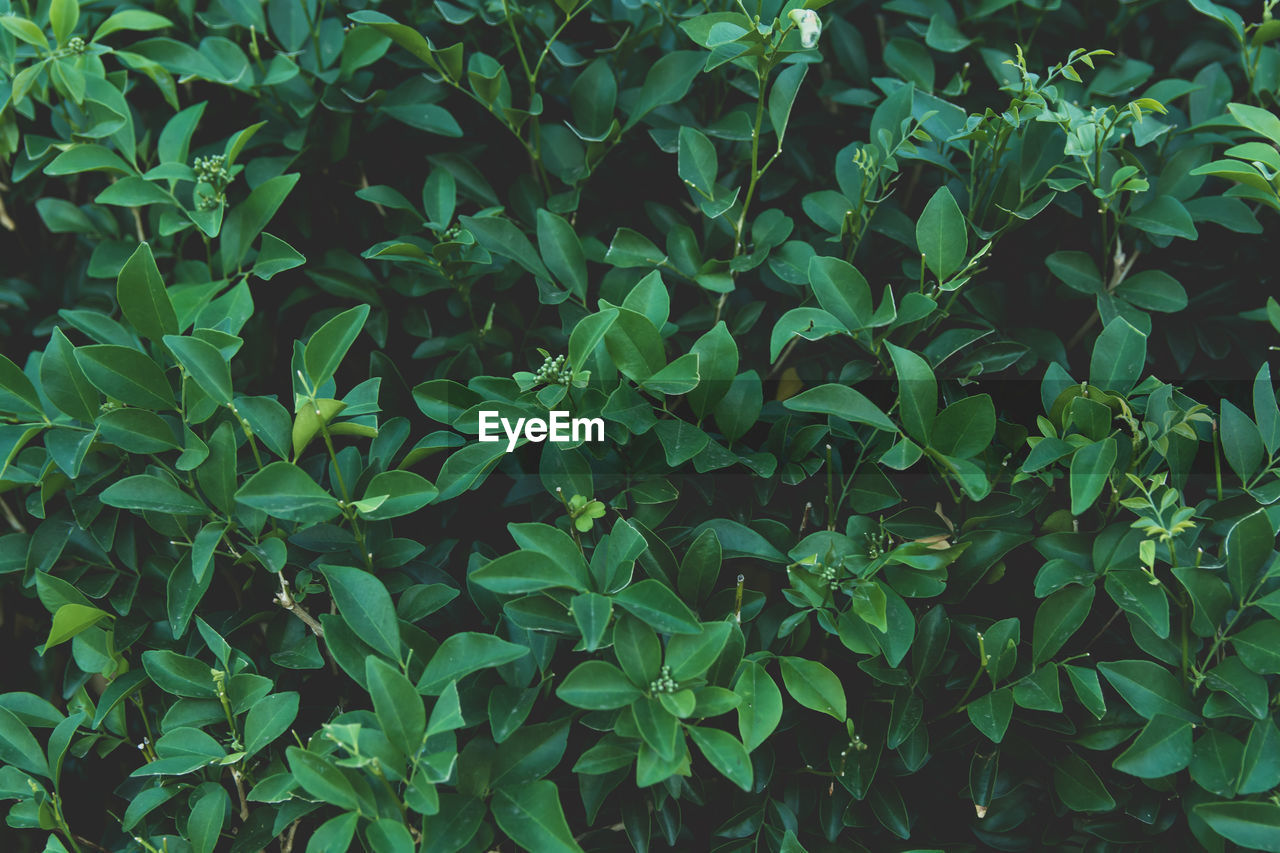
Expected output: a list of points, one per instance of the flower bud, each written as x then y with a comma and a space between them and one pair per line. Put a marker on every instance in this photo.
810, 26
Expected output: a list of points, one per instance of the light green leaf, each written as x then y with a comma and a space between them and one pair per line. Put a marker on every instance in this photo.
942, 235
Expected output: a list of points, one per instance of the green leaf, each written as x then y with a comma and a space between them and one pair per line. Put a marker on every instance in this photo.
274, 257
178, 674
18, 746
390, 835
842, 402
667, 82
319, 778
366, 606
1252, 825
247, 219
446, 714
1088, 689
761, 708
637, 648
1090, 467
1077, 271
782, 97
740, 407
1265, 410
1134, 593
814, 686
528, 571
204, 824
1164, 216
1241, 441
465, 653
691, 655
1248, 546
657, 605
634, 345
531, 815
64, 382
204, 364
328, 346
17, 394
842, 291
87, 158
405, 491
597, 685
1162, 747
397, 705
562, 252
681, 440
25, 30
145, 492
587, 334
143, 298
284, 490
592, 98
1216, 762
1259, 646
591, 612
678, 377
1260, 764
966, 427
696, 161
131, 19
658, 728
917, 392
502, 237
1257, 119
127, 375
1153, 290
991, 712
268, 719
133, 191
1150, 689
717, 354
1057, 619
812, 324
726, 754
630, 248
1079, 787
1119, 356
71, 619
942, 234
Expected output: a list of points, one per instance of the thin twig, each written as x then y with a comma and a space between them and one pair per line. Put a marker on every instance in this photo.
11, 518
1102, 630
1120, 270
244, 804
285, 599
5, 220
286, 839
782, 358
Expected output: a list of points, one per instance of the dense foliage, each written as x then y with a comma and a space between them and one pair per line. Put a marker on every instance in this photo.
938, 499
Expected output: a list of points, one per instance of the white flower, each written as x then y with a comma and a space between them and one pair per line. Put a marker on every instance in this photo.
810, 26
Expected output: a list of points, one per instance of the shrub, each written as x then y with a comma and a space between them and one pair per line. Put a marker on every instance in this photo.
936, 501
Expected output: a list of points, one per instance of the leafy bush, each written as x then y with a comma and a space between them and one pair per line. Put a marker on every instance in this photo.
937, 500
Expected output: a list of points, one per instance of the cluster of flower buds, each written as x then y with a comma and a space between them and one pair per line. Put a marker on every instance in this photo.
76, 46
555, 372
663, 683
877, 544
828, 574
212, 170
